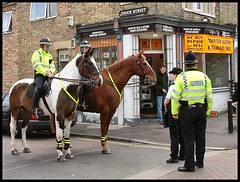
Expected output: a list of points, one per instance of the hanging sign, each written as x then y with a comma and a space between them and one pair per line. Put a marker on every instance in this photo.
208, 44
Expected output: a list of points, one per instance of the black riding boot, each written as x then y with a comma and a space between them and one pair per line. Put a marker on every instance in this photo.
36, 97
81, 97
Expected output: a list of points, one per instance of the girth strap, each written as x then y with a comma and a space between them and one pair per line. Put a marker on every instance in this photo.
46, 105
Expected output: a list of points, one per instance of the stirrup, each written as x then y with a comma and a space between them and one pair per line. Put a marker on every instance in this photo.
37, 112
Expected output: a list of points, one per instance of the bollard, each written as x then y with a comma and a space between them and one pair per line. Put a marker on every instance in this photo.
230, 119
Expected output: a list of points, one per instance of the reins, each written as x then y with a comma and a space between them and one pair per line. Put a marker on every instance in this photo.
73, 80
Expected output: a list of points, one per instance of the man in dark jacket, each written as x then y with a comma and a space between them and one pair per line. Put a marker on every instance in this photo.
161, 90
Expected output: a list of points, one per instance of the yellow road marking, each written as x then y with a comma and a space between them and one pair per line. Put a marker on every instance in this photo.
127, 144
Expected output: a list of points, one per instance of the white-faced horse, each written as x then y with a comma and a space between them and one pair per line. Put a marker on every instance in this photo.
61, 101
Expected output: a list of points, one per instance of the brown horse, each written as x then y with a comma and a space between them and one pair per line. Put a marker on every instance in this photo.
106, 99
61, 101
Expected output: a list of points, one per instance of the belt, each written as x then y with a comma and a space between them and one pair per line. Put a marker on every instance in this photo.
193, 106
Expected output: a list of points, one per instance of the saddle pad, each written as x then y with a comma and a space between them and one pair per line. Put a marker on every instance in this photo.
30, 90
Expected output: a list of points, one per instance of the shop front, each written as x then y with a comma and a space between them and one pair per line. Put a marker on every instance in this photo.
165, 41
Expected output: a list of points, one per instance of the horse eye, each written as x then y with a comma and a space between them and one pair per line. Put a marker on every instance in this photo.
144, 64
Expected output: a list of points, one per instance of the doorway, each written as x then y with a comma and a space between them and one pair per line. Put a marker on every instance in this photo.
148, 101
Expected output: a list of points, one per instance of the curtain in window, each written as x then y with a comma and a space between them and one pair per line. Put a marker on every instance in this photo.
6, 20
52, 9
38, 10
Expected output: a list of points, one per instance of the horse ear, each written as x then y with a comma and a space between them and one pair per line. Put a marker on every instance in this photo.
91, 53
87, 53
139, 55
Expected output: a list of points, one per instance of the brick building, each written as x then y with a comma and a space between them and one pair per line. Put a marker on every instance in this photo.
120, 29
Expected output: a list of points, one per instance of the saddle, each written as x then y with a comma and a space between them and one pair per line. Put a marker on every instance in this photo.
45, 91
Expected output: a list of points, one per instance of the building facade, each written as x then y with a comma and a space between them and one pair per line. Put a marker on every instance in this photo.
166, 31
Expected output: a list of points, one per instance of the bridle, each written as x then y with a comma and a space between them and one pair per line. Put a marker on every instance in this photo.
89, 72
144, 72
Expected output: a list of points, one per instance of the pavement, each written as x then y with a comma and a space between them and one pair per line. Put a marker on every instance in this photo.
221, 147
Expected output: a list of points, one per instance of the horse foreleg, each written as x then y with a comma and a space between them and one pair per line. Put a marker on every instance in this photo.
105, 121
13, 124
24, 127
59, 137
67, 139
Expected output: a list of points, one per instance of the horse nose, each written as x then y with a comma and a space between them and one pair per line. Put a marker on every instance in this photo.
99, 81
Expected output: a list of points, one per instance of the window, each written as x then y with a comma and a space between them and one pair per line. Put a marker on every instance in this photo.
63, 58
105, 51
198, 6
43, 10
217, 69
208, 8
7, 21
187, 5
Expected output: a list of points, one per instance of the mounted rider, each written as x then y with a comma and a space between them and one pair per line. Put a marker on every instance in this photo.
43, 65
85, 45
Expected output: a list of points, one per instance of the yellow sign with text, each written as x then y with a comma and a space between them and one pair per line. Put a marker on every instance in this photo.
200, 43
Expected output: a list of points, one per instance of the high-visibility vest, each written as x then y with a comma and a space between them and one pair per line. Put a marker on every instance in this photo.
192, 86
42, 61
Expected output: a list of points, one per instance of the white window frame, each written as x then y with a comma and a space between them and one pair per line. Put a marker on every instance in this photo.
4, 14
186, 4
195, 6
209, 8
46, 13
63, 52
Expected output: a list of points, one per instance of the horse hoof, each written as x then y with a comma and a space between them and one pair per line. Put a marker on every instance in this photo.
69, 156
26, 150
106, 151
62, 159
15, 152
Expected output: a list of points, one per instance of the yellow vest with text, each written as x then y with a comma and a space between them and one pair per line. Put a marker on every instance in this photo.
192, 86
42, 61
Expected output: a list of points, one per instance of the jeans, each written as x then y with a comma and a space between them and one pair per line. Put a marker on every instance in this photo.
160, 100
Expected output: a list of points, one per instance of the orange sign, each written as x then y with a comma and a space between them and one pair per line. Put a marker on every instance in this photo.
208, 44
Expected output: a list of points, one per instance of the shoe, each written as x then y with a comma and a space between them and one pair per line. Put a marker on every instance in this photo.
171, 160
181, 158
199, 165
161, 122
184, 169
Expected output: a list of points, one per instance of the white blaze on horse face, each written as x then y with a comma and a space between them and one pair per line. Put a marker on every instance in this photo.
95, 64
150, 67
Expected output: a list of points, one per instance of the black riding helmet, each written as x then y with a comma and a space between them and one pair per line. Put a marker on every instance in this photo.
45, 41
85, 43
190, 58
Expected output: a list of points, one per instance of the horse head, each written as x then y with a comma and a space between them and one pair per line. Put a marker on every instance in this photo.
143, 69
87, 67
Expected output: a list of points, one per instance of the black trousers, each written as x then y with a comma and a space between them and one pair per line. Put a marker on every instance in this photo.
176, 138
39, 80
193, 124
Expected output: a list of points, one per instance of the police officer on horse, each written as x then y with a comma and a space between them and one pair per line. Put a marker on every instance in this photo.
43, 65
85, 45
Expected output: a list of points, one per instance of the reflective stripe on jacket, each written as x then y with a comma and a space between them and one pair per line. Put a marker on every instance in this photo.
42, 61
192, 86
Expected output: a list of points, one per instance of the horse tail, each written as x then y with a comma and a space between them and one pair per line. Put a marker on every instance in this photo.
53, 126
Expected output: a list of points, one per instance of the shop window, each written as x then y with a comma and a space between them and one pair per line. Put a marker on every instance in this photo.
217, 69
63, 56
43, 10
105, 51
7, 22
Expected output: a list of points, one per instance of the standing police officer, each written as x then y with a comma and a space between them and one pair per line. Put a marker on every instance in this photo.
192, 102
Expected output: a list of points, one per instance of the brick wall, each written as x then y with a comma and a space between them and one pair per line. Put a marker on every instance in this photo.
19, 45
10, 51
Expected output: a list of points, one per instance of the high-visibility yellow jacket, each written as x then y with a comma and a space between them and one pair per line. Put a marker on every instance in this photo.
192, 86
42, 61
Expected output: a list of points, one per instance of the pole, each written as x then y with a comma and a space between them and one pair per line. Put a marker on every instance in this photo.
230, 119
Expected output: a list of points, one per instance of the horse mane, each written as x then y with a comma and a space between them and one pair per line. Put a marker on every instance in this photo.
118, 64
